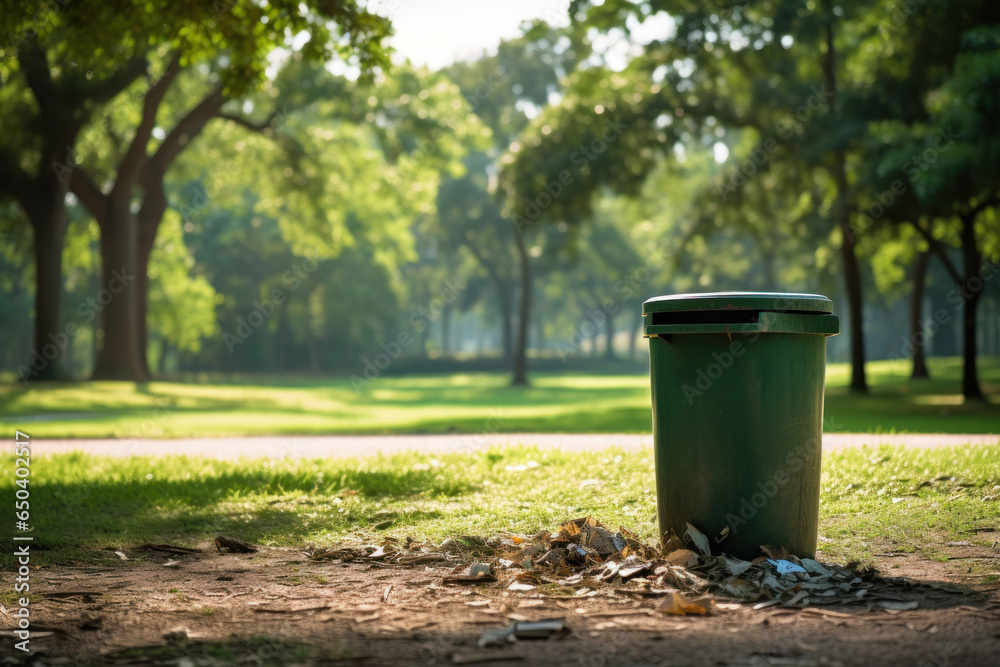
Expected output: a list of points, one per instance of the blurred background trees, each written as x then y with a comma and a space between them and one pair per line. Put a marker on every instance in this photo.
289, 200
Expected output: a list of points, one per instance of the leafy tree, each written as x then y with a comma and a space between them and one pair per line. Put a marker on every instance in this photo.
232, 37
944, 174
796, 78
508, 89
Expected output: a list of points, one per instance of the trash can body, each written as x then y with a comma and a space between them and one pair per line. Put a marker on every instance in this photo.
737, 384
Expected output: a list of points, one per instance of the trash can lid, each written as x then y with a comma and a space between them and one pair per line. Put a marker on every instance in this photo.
760, 301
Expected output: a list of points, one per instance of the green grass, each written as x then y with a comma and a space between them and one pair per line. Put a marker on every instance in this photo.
81, 503
457, 403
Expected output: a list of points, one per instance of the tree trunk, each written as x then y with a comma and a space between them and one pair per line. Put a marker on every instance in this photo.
48, 221
635, 331
506, 320
855, 306
148, 220
446, 329
842, 213
917, 335
520, 378
120, 357
972, 290
609, 340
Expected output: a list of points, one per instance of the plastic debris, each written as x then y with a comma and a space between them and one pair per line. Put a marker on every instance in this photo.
679, 604
542, 629
786, 566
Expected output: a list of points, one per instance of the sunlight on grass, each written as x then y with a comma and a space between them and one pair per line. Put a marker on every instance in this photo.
463, 403
872, 499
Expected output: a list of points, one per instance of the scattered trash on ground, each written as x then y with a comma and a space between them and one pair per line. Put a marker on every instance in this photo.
544, 629
582, 558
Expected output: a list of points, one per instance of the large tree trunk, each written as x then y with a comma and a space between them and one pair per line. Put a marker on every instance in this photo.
917, 334
120, 353
852, 275
48, 221
520, 378
855, 307
972, 290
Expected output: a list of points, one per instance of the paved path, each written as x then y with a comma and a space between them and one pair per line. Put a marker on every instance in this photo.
366, 445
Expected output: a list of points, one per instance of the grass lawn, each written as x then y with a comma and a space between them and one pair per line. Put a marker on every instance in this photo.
886, 499
570, 403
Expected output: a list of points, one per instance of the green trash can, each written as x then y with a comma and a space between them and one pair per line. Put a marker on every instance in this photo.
737, 392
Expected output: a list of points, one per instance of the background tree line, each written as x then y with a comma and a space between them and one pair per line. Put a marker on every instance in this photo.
230, 187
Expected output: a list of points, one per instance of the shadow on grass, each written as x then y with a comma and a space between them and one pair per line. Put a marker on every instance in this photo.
258, 504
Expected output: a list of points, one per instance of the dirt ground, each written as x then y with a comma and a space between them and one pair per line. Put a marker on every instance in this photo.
281, 607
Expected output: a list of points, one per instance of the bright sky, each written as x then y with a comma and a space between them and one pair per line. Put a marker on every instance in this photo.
438, 32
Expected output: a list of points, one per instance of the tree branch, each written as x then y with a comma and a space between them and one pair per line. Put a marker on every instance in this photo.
187, 128
261, 128
939, 250
34, 62
107, 88
131, 163
89, 194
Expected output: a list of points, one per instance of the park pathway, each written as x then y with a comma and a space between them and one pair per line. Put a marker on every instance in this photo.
367, 445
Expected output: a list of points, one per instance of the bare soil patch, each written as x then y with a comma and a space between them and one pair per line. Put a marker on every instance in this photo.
279, 606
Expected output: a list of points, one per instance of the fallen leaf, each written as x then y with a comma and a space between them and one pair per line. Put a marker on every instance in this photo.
683, 558
898, 606
387, 593
539, 629
121, 556
679, 604
813, 567
698, 539
518, 586
480, 570
735, 566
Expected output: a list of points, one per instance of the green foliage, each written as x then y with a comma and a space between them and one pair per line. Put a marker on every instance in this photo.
181, 305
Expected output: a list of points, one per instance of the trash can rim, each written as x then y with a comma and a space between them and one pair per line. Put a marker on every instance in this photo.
761, 301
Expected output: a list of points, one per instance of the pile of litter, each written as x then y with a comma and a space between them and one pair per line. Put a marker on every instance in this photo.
585, 556
582, 558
